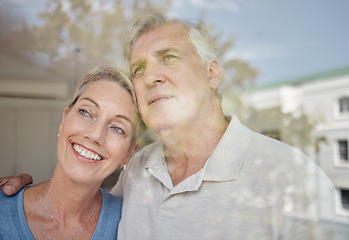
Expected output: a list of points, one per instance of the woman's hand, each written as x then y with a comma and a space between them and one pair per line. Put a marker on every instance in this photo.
13, 184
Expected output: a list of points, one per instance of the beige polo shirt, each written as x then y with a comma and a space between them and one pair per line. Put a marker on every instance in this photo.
252, 187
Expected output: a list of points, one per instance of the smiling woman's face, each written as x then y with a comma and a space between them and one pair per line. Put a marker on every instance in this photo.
95, 135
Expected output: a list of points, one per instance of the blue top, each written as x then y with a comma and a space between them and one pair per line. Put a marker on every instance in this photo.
13, 224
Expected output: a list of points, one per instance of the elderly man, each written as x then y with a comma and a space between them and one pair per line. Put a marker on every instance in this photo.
210, 177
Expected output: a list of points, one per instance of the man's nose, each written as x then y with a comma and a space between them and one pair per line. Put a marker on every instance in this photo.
154, 74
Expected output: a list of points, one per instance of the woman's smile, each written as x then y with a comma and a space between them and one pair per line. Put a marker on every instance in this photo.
85, 153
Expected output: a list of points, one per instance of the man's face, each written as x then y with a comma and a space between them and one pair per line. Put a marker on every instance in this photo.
170, 79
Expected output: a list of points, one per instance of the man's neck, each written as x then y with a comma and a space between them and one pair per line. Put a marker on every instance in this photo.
188, 148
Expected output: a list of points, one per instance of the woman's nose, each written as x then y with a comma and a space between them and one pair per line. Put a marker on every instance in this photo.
96, 132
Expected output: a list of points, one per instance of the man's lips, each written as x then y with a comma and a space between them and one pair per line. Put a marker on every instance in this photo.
158, 99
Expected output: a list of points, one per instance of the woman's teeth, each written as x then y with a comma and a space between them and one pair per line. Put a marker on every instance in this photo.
86, 153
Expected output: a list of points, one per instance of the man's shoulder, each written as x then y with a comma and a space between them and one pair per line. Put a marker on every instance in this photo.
277, 154
148, 156
135, 168
144, 154
150, 147
260, 141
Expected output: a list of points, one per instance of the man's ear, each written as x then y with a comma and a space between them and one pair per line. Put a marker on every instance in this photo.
63, 117
214, 73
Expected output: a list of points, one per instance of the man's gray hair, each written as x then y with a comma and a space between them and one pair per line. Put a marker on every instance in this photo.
198, 36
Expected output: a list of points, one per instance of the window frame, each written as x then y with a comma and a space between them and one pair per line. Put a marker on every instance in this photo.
338, 160
339, 202
341, 108
345, 202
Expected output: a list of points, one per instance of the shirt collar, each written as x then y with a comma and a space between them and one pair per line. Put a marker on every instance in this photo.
156, 156
225, 162
156, 165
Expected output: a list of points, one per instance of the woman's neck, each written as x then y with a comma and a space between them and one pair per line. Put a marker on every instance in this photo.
70, 199
60, 207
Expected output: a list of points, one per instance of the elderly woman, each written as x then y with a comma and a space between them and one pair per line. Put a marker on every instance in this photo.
99, 131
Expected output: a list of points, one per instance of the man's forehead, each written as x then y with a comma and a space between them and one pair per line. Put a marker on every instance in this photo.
159, 38
158, 29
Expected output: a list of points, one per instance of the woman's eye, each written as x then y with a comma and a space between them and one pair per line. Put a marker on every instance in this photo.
117, 129
84, 112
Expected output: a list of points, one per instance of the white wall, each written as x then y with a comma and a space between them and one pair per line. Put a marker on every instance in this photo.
28, 134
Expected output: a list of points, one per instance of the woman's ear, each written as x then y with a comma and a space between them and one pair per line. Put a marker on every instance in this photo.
215, 73
133, 150
130, 153
63, 117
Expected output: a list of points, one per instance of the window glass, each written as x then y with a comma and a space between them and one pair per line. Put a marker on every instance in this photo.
344, 105
345, 198
343, 149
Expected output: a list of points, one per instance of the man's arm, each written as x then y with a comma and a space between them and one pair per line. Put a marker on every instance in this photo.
12, 184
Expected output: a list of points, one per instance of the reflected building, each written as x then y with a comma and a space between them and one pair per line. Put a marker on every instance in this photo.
324, 96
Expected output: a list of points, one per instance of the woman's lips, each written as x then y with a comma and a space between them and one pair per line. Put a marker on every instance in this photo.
85, 153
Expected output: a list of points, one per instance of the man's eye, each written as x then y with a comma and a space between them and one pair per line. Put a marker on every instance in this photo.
168, 57
137, 71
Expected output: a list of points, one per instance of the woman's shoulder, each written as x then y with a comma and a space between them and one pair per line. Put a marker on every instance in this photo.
11, 203
12, 220
107, 227
111, 200
7, 200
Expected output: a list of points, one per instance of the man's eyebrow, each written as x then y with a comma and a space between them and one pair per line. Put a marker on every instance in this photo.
90, 100
137, 63
142, 62
166, 50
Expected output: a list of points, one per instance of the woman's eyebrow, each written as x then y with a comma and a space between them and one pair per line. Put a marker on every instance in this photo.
91, 100
117, 115
124, 117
